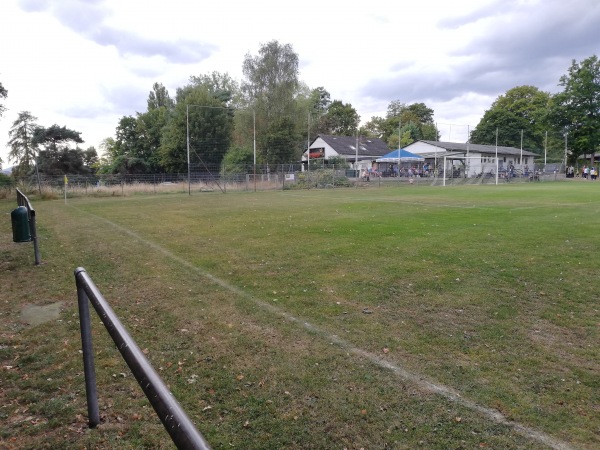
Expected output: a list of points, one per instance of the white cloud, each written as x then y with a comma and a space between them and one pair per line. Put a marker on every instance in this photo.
84, 64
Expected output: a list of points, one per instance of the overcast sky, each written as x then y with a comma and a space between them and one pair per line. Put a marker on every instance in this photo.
86, 63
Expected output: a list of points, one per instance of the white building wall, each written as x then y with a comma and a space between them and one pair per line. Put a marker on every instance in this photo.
320, 143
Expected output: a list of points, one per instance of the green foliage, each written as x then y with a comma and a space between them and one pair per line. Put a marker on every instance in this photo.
220, 85
237, 160
341, 119
522, 109
64, 160
280, 103
57, 157
22, 146
412, 122
159, 98
6, 180
320, 177
172, 151
577, 109
210, 122
3, 94
339, 163
415, 112
320, 100
135, 148
280, 142
55, 137
149, 128
271, 80
508, 124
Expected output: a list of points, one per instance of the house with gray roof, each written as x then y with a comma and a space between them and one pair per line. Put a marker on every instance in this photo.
473, 159
360, 152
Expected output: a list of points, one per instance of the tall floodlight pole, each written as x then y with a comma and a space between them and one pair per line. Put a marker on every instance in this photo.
566, 134
399, 146
254, 144
468, 142
187, 131
356, 154
435, 155
521, 159
496, 155
545, 150
308, 145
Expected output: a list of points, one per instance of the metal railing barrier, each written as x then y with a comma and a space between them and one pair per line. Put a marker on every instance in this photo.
22, 200
177, 423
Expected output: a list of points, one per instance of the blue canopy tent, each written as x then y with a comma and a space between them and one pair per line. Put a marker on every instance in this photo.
400, 155
390, 164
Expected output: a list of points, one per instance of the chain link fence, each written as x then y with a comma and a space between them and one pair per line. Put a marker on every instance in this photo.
250, 178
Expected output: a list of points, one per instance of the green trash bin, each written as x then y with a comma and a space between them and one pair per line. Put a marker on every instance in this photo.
20, 224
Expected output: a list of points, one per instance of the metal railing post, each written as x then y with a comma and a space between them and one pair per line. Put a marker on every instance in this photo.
177, 423
88, 354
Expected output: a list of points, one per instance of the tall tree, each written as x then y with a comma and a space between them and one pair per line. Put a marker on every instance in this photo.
508, 126
320, 100
55, 137
220, 85
423, 113
520, 109
137, 139
57, 156
577, 108
271, 79
150, 126
21, 143
318, 103
280, 141
66, 160
159, 97
127, 148
209, 121
413, 122
340, 119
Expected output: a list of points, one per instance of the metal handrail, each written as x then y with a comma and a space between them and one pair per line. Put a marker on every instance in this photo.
22, 200
177, 423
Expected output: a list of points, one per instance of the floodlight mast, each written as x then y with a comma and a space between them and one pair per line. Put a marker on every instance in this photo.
254, 144
496, 155
308, 146
566, 137
187, 130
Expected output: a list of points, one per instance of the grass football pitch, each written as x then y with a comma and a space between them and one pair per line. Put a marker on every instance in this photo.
392, 318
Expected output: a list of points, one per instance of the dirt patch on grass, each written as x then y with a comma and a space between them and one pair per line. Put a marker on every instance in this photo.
34, 315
